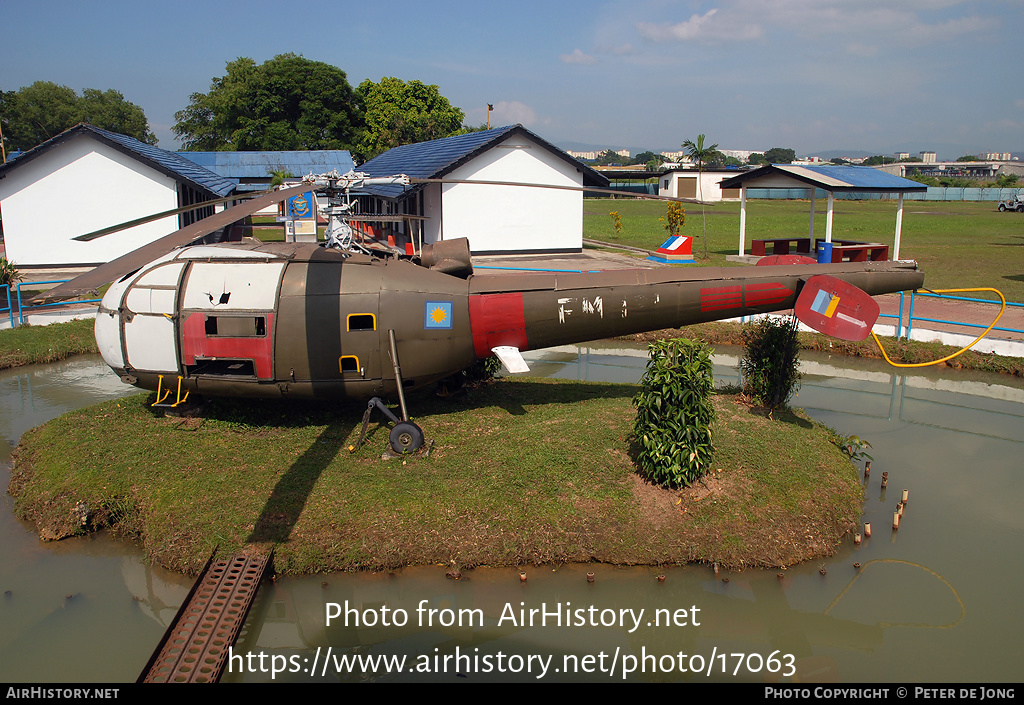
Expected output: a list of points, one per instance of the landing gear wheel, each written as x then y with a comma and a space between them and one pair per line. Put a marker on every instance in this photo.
406, 437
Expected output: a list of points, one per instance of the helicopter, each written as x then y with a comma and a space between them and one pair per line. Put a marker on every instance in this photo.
355, 321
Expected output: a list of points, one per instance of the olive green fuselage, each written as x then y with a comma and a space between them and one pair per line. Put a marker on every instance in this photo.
308, 322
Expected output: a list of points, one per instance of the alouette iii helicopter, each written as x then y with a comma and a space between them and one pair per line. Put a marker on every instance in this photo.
343, 320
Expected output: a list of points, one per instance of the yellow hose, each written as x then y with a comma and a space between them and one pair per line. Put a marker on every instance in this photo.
1002, 309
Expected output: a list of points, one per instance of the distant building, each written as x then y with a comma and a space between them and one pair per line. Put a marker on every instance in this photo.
997, 156
682, 183
741, 154
899, 156
86, 179
928, 157
591, 156
679, 157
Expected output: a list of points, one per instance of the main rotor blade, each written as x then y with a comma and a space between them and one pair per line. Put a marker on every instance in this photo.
589, 189
157, 216
106, 273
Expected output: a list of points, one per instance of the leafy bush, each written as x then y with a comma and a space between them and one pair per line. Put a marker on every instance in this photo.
672, 431
9, 273
771, 365
675, 216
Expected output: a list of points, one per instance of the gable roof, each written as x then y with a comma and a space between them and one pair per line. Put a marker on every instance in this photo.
261, 165
436, 158
862, 179
161, 160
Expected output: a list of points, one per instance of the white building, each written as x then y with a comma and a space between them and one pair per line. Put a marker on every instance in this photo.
682, 183
499, 218
85, 179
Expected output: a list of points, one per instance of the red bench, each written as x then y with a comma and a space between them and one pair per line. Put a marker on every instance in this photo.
781, 246
853, 251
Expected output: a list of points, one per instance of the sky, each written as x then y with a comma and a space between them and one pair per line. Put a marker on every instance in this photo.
875, 76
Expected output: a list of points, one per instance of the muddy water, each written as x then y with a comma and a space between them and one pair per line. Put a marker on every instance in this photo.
82, 609
935, 601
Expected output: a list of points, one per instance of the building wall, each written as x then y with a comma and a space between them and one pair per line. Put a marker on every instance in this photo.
77, 187
510, 218
683, 184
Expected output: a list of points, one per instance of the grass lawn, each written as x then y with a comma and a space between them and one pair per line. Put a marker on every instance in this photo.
522, 471
958, 244
27, 345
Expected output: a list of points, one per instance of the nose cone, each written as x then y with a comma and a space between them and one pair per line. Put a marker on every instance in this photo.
108, 328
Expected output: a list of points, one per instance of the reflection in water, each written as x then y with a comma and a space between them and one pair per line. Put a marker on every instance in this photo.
82, 609
935, 601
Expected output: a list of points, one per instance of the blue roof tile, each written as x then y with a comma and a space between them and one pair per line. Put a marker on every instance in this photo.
831, 178
258, 165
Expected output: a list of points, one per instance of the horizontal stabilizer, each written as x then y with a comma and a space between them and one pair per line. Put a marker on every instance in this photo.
511, 358
837, 308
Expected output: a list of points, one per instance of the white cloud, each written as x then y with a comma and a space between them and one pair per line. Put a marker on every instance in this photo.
509, 112
709, 27
914, 22
578, 57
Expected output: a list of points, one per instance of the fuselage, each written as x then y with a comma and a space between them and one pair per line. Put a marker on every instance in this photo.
304, 321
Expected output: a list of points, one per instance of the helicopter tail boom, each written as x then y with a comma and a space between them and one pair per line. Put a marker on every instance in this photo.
537, 311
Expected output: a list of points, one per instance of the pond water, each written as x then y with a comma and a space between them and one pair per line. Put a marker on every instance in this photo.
935, 601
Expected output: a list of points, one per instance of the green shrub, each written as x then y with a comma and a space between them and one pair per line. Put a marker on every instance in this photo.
9, 273
771, 366
672, 431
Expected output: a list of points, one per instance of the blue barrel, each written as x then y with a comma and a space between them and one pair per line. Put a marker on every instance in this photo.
824, 252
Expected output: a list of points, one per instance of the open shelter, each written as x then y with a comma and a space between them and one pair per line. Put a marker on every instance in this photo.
832, 180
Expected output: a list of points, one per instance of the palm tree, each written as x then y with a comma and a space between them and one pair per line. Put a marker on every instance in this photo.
700, 154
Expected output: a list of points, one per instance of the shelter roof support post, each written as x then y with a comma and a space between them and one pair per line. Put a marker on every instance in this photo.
828, 219
814, 195
899, 227
743, 218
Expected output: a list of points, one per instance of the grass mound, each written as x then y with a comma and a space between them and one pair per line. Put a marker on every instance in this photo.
521, 471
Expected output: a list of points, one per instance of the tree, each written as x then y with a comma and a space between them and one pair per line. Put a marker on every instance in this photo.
757, 158
288, 102
609, 157
33, 114
780, 155
700, 154
400, 112
647, 158
967, 158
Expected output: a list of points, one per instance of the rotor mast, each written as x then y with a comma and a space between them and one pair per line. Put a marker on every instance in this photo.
340, 206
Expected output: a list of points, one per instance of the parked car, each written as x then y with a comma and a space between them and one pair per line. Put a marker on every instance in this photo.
1014, 204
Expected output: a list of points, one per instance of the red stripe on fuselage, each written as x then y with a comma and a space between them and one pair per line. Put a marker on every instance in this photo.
770, 293
720, 297
497, 319
195, 343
